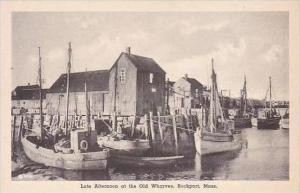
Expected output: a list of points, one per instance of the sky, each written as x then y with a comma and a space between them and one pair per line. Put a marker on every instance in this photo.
254, 44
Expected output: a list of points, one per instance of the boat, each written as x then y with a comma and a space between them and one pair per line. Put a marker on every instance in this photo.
119, 146
82, 152
243, 119
218, 135
285, 120
134, 161
268, 118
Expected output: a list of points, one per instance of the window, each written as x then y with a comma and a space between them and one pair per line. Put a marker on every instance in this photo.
153, 89
151, 75
123, 76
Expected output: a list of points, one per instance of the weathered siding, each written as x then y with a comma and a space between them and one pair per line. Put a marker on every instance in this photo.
126, 92
149, 99
77, 104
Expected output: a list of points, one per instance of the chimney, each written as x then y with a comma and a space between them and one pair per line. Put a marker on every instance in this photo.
128, 50
186, 76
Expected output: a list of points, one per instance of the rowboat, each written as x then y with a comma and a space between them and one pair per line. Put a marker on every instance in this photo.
133, 161
134, 147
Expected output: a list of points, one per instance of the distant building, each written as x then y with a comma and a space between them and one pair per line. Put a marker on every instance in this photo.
136, 85
187, 94
97, 89
27, 99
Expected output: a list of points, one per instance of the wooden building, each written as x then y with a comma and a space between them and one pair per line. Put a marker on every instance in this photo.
187, 94
136, 85
97, 89
27, 99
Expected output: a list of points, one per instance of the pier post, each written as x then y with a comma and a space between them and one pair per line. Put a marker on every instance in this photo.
175, 133
146, 125
114, 121
20, 130
152, 126
159, 126
133, 125
14, 131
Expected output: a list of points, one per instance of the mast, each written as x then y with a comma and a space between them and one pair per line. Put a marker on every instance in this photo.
270, 80
212, 98
244, 96
41, 94
68, 85
87, 102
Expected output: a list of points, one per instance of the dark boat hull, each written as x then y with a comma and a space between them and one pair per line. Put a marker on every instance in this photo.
268, 123
146, 161
242, 122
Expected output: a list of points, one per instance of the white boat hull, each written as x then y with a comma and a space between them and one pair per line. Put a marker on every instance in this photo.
72, 161
285, 123
125, 147
204, 147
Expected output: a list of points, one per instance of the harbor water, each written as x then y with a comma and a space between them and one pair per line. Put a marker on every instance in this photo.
264, 156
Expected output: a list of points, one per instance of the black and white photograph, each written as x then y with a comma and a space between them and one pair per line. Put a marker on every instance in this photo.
184, 96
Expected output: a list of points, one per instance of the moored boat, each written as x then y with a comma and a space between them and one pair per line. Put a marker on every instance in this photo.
218, 135
134, 161
268, 118
134, 147
81, 150
285, 120
96, 160
243, 119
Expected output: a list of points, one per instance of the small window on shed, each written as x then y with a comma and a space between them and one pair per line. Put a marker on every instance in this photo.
151, 75
123, 76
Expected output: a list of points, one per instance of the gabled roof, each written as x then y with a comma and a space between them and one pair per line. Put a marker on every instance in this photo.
143, 64
29, 92
194, 83
95, 81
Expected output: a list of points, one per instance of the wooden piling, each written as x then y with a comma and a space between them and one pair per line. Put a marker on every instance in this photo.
20, 130
152, 126
146, 126
159, 127
133, 125
175, 133
14, 131
114, 121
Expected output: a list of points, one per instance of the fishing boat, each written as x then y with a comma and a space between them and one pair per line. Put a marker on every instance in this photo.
285, 120
79, 149
134, 161
218, 135
268, 117
242, 118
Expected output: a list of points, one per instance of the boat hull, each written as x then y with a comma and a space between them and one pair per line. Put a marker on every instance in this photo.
146, 161
72, 161
268, 123
254, 122
242, 122
125, 147
285, 123
205, 147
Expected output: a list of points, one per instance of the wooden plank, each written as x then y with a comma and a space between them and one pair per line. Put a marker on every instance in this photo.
159, 127
175, 133
152, 126
133, 125
146, 126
